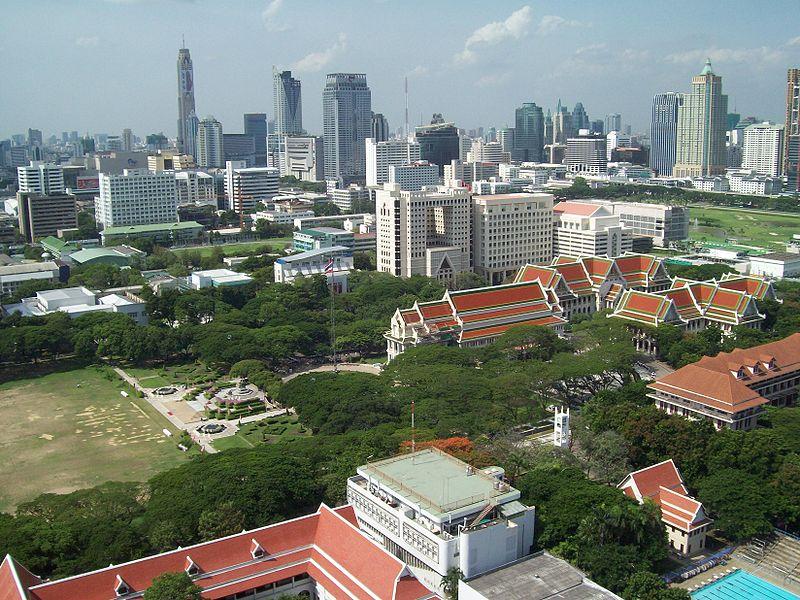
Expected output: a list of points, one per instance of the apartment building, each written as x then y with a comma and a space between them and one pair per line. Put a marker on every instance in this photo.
40, 216
41, 178
247, 186
382, 155
136, 197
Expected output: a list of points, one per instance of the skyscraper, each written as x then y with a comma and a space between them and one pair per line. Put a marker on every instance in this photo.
791, 154
613, 122
763, 148
529, 133
255, 125
187, 118
127, 140
580, 120
287, 102
380, 127
346, 124
702, 121
438, 142
210, 144
663, 132
563, 128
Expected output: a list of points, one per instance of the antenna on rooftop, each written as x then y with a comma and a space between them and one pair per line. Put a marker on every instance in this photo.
407, 132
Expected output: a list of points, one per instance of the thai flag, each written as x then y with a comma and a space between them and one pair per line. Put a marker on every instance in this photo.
329, 267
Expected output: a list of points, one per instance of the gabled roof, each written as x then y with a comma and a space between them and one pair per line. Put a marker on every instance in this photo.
547, 276
759, 288
684, 303
501, 295
576, 277
645, 307
15, 580
719, 390
640, 269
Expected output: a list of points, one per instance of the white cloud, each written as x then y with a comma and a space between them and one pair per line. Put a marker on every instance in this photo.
794, 41
493, 79
87, 42
317, 60
269, 16
514, 27
418, 71
760, 55
551, 23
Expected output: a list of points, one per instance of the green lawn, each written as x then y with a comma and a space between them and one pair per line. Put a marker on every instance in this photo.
154, 377
266, 431
73, 429
276, 244
748, 228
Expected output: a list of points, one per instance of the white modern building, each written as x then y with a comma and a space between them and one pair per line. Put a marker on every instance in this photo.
351, 198
752, 183
428, 232
210, 145
382, 155
414, 176
616, 139
41, 178
195, 187
664, 223
492, 152
763, 149
776, 265
314, 262
78, 301
217, 278
13, 276
136, 197
510, 231
435, 512
711, 183
284, 210
301, 157
245, 187
583, 229
586, 155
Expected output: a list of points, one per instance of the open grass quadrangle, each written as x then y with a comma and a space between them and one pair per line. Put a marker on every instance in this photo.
73, 429
746, 227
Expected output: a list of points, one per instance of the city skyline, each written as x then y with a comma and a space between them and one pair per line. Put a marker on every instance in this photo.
491, 50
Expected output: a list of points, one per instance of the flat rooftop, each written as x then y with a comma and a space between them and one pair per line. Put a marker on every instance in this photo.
779, 256
438, 482
539, 577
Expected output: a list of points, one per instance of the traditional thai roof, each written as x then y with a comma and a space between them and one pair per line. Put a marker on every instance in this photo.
15, 580
662, 483
684, 303
645, 307
576, 278
759, 288
598, 268
326, 546
641, 270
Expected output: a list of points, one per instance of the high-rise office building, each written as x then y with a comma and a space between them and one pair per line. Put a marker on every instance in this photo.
613, 122
40, 216
382, 155
586, 154
763, 148
597, 127
580, 120
187, 118
563, 127
245, 187
287, 102
127, 140
528, 133
380, 127
41, 178
210, 143
791, 154
301, 156
438, 142
255, 125
35, 138
702, 121
663, 132
136, 197
239, 147
346, 124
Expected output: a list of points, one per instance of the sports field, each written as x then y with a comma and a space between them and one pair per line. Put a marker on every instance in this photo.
65, 431
276, 244
748, 228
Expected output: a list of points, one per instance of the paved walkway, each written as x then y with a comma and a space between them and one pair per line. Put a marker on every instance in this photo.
352, 367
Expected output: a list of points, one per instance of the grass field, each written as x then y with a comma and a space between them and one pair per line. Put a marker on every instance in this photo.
170, 375
70, 430
748, 228
277, 244
253, 434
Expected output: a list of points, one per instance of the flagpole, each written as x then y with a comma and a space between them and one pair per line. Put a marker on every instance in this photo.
333, 318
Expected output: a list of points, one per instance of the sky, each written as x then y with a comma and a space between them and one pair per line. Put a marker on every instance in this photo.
103, 65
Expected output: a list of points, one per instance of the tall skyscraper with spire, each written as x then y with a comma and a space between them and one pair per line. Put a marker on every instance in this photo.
187, 118
287, 102
702, 120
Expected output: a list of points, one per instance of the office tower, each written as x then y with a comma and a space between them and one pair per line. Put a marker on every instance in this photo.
382, 155
563, 128
438, 142
580, 120
346, 123
424, 233
40, 216
301, 156
255, 125
35, 138
414, 176
127, 140
597, 127
490, 152
195, 187
663, 132
239, 147
287, 103
210, 143
548, 128
73, 137
702, 119
733, 120
528, 133
614, 140
41, 178
136, 197
247, 186
510, 231
791, 154
763, 149
506, 138
380, 127
187, 118
64, 137
586, 154
613, 122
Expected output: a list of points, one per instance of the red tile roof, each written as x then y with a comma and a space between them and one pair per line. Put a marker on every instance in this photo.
432, 310
497, 296
576, 208
15, 580
545, 275
498, 329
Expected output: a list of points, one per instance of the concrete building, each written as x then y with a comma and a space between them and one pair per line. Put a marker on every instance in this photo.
255, 125
195, 187
169, 160
414, 176
347, 122
317, 262
481, 151
613, 122
353, 198
187, 118
314, 238
240, 147
136, 197
762, 149
12, 276
40, 216
509, 231
217, 278
748, 181
586, 154
79, 301
428, 232
285, 210
663, 223
438, 142
614, 140
245, 187
583, 229
41, 178
288, 103
302, 157
791, 153
380, 128
702, 122
169, 234
210, 143
380, 155
776, 265
435, 512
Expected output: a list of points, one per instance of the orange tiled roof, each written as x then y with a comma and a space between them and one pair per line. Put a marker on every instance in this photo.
498, 329
497, 296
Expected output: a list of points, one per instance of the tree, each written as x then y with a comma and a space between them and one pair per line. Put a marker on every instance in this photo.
467, 280
218, 522
450, 582
173, 586
741, 504
529, 342
649, 586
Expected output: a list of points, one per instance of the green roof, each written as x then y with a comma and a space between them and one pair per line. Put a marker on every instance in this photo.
134, 229
87, 254
53, 243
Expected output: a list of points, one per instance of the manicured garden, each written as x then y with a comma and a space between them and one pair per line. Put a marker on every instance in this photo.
266, 431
